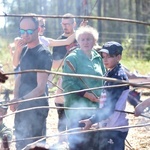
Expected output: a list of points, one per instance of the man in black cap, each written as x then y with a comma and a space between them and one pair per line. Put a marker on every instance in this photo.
111, 99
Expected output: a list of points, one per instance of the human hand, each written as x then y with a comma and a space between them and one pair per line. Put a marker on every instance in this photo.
3, 77
87, 123
84, 23
19, 44
13, 107
91, 97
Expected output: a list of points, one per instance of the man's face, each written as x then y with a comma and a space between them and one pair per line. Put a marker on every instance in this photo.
68, 26
28, 30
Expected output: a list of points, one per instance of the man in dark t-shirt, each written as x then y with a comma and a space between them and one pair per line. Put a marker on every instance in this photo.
29, 124
59, 53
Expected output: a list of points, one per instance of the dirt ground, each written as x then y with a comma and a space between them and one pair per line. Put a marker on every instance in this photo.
137, 139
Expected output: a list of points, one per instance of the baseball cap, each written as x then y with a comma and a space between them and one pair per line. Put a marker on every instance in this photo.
112, 48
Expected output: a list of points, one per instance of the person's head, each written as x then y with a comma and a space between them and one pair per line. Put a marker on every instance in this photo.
111, 53
86, 37
29, 26
41, 25
68, 24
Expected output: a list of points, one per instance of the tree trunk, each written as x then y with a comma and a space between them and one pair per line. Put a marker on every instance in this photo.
99, 21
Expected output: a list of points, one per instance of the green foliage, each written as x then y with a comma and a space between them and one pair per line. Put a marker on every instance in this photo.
134, 61
147, 52
5, 57
147, 48
135, 64
6, 62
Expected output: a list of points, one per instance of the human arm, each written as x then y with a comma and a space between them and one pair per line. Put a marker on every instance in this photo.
40, 88
84, 22
37, 91
61, 42
19, 45
13, 107
140, 107
87, 123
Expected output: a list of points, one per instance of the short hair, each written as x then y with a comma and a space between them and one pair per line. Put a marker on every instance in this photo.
33, 18
69, 16
87, 29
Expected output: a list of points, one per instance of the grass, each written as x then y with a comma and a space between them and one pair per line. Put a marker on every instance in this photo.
136, 64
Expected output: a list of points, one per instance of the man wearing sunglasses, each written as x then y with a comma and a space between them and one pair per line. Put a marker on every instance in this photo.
31, 85
45, 41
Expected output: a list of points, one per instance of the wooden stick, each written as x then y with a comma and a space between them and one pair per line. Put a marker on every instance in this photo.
74, 71
81, 75
80, 130
122, 111
80, 17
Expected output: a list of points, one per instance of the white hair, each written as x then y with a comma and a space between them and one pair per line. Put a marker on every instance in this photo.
87, 29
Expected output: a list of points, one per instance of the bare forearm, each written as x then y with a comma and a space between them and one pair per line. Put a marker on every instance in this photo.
41, 85
17, 85
16, 58
62, 42
34, 93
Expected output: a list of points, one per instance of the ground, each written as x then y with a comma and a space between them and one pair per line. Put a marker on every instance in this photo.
138, 138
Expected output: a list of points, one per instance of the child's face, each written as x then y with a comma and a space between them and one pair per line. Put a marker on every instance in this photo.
110, 61
86, 42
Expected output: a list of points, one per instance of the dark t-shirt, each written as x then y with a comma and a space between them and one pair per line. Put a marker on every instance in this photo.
35, 58
59, 52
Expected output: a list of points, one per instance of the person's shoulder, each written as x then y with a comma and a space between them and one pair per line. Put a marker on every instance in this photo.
73, 54
43, 50
43, 39
95, 53
121, 73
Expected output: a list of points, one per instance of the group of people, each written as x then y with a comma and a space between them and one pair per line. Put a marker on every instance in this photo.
78, 57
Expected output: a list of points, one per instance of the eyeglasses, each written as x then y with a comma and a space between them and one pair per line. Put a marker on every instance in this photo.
66, 24
28, 31
42, 26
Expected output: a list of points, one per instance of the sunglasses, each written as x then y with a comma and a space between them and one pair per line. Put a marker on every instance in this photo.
28, 31
42, 26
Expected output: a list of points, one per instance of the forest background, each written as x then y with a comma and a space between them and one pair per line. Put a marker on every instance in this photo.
134, 37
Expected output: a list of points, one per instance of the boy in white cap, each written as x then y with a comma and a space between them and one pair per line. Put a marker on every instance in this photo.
111, 99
